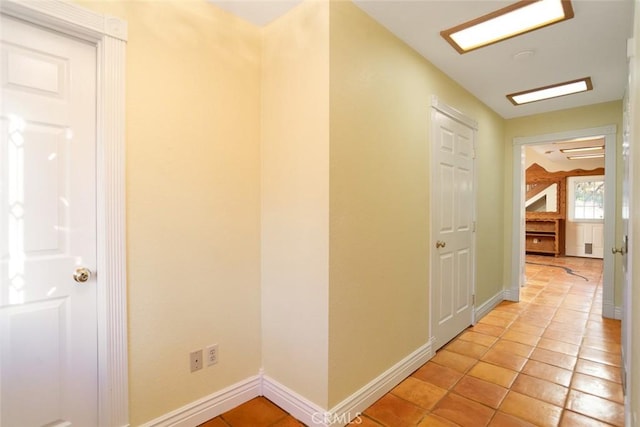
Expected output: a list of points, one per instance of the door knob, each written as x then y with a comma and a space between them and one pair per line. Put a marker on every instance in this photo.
81, 274
440, 244
620, 251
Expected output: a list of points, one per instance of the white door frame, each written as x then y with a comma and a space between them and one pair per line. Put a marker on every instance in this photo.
518, 216
109, 34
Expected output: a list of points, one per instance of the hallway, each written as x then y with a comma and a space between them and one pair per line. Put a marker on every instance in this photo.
549, 360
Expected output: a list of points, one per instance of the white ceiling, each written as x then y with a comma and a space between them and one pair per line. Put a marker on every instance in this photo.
592, 44
552, 159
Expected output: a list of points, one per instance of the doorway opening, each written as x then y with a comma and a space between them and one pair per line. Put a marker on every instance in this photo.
518, 279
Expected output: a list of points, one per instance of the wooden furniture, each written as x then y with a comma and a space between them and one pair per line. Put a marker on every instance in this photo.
544, 236
545, 231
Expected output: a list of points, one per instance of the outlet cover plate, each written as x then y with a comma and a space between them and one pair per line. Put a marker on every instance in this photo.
195, 359
212, 354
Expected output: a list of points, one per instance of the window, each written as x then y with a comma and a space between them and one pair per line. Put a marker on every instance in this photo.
586, 198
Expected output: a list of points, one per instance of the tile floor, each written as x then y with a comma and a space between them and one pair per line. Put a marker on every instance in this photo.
549, 360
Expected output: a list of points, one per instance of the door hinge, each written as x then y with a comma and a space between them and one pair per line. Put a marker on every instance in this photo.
473, 300
473, 227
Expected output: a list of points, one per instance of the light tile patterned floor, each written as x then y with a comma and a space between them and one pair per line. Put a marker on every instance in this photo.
549, 360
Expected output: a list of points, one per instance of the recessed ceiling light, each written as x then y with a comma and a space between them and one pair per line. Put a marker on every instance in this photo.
513, 20
585, 156
551, 91
582, 149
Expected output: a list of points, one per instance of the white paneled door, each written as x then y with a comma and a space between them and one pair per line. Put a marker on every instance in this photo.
48, 319
452, 216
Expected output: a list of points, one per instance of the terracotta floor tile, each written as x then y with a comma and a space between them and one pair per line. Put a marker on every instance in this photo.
563, 336
394, 411
516, 348
215, 422
505, 359
510, 306
558, 346
521, 337
548, 372
504, 420
532, 410
459, 362
364, 421
598, 387
596, 407
540, 389
496, 321
478, 338
257, 412
553, 358
603, 335
288, 421
535, 319
463, 411
566, 327
467, 348
526, 328
494, 331
611, 373
418, 392
495, 374
603, 345
572, 315
572, 419
435, 421
481, 391
603, 327
600, 356
441, 376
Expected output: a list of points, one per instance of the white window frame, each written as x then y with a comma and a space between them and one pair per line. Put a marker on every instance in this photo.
571, 181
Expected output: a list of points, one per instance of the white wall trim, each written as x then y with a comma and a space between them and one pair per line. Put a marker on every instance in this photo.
453, 113
617, 312
109, 35
489, 305
609, 133
211, 406
299, 407
374, 390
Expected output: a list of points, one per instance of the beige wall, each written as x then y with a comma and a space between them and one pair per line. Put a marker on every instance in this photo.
379, 200
295, 200
193, 185
597, 115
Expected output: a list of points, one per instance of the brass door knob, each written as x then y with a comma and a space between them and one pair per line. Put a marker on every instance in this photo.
81, 274
440, 244
620, 251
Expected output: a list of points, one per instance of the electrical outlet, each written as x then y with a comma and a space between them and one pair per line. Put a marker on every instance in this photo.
195, 357
212, 354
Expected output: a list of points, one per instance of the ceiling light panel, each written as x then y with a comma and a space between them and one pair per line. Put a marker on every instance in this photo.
585, 156
513, 20
551, 91
582, 149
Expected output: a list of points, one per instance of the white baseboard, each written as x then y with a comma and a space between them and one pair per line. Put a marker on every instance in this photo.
210, 406
617, 313
511, 294
609, 310
355, 404
299, 407
487, 306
